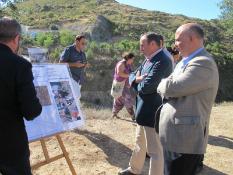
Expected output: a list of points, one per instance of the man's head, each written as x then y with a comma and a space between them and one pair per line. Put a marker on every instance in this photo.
188, 38
150, 43
10, 31
80, 42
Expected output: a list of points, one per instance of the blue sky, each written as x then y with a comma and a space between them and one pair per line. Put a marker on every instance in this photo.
204, 9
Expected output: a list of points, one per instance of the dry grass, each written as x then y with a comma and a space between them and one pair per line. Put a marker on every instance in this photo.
104, 146
219, 156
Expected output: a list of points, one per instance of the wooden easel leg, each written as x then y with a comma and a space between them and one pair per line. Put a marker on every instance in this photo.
44, 148
49, 160
66, 155
46, 155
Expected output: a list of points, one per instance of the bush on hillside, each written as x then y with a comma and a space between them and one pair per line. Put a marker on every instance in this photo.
44, 39
66, 38
57, 41
54, 55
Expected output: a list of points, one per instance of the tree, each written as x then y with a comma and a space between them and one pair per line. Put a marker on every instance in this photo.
10, 4
226, 7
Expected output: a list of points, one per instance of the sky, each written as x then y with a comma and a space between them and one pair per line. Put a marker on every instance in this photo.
203, 9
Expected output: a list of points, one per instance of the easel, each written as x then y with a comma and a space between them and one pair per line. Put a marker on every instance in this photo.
49, 160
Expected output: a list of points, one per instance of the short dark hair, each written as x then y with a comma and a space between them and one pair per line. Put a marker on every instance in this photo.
79, 37
173, 50
9, 29
151, 36
197, 29
127, 55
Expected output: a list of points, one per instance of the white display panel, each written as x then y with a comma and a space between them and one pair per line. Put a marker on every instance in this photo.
61, 108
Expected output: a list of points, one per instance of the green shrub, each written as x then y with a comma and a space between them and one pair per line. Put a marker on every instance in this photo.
66, 38
40, 37
44, 39
89, 54
48, 41
27, 40
54, 54
93, 46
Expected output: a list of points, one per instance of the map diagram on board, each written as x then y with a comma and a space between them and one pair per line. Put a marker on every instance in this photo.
65, 101
61, 108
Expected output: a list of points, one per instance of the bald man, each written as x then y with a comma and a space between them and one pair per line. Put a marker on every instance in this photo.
190, 92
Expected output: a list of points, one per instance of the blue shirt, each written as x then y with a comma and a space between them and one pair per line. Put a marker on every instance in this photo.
71, 55
186, 60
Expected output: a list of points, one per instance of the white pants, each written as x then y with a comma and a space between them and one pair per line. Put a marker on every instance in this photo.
147, 141
77, 88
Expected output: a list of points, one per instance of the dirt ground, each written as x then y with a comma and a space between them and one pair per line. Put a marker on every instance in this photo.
104, 146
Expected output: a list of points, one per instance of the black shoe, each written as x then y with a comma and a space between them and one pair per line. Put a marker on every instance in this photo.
199, 168
126, 172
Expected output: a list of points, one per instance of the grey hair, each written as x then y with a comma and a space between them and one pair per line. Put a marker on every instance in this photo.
9, 29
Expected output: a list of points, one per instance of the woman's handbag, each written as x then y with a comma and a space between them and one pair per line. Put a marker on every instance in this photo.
117, 88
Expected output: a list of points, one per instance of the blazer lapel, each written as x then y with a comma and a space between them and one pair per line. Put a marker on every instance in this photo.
202, 53
146, 68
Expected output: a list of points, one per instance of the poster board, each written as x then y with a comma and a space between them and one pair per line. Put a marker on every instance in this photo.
38, 55
61, 108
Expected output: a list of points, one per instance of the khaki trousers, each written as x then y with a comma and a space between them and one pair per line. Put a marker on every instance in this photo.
147, 141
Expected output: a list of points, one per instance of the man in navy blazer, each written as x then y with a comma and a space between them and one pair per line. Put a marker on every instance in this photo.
17, 101
144, 80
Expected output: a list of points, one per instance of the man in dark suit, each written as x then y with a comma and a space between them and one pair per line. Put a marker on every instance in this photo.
145, 80
17, 100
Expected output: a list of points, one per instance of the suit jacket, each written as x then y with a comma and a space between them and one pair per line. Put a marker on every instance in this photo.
148, 100
17, 100
184, 118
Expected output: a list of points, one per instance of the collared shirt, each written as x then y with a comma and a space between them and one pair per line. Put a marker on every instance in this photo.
151, 56
71, 55
186, 60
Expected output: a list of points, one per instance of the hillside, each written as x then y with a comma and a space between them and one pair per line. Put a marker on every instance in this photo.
43, 13
86, 16
112, 28
126, 20
123, 20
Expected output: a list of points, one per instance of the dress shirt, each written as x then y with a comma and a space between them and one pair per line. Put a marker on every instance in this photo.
185, 61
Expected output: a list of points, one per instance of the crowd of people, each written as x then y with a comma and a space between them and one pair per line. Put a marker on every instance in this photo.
169, 96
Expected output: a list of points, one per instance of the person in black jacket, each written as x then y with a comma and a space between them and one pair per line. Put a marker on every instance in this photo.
17, 101
144, 80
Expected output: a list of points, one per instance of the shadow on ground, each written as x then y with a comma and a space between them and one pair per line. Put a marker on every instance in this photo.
222, 141
117, 154
210, 171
